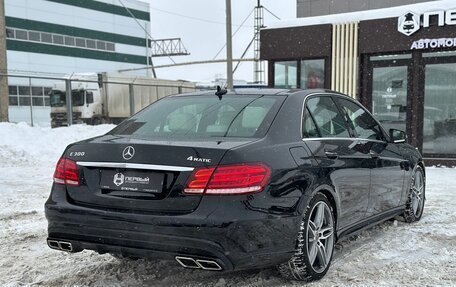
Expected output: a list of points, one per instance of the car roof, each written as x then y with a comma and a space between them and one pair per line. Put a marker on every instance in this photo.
263, 91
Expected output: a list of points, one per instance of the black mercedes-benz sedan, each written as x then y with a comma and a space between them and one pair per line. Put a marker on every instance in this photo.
235, 180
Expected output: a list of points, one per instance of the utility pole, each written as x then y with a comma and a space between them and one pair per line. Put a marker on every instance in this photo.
4, 101
229, 48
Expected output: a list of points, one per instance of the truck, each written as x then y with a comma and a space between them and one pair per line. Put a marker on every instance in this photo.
109, 97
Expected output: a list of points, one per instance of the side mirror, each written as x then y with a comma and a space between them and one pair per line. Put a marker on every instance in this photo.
397, 136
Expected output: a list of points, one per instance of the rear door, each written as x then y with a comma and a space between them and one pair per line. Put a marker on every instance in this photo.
345, 161
387, 175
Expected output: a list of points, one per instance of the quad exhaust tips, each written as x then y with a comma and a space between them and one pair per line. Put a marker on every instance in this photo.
188, 262
60, 245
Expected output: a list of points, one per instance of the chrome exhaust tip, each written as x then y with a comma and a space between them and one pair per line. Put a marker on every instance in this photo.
66, 246
209, 265
187, 262
53, 244
60, 245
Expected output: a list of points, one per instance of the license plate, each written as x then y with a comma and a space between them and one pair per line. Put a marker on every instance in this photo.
137, 181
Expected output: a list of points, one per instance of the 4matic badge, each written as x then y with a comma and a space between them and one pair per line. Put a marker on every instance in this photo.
199, 159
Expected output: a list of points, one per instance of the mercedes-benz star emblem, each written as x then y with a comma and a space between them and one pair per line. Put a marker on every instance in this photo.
128, 152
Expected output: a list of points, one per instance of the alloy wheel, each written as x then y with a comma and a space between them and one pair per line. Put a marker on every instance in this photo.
417, 191
320, 236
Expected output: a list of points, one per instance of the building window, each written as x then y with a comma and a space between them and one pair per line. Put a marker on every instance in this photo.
101, 45
285, 74
313, 74
12, 90
21, 34
439, 122
69, 41
24, 101
46, 37
80, 42
91, 44
13, 101
24, 90
57, 39
34, 36
110, 46
9, 33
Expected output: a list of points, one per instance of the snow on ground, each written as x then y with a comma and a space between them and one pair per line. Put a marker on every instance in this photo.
392, 254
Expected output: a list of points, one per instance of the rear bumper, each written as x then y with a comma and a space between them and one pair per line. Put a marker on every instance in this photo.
232, 234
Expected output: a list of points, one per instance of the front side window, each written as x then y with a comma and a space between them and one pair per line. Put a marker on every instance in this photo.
57, 98
328, 120
364, 124
203, 116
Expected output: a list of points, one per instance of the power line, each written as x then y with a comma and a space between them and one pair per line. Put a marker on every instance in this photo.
272, 13
245, 52
223, 47
196, 18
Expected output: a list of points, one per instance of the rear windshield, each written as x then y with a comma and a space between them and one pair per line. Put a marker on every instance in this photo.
203, 116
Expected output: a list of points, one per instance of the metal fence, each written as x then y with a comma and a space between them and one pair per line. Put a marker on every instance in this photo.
120, 96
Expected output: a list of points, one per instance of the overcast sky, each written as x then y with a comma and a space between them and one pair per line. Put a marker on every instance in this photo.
200, 24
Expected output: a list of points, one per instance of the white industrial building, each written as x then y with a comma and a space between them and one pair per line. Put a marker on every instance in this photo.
69, 36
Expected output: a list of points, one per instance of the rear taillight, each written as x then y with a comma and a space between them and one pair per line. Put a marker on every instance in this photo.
229, 179
66, 172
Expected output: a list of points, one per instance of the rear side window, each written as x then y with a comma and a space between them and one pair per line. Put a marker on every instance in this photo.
364, 124
327, 118
204, 116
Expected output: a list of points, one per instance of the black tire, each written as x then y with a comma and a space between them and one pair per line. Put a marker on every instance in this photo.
299, 267
415, 193
96, 121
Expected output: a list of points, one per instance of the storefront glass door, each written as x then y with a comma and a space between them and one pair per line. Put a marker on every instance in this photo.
389, 95
439, 123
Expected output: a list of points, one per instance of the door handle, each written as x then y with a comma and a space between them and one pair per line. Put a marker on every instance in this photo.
374, 154
331, 155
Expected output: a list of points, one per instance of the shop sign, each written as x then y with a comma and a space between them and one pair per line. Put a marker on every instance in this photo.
433, 43
410, 22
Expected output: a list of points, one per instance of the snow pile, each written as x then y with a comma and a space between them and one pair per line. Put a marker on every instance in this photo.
391, 254
21, 144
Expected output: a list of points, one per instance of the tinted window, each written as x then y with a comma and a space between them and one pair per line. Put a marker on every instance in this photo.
309, 130
364, 124
203, 116
328, 119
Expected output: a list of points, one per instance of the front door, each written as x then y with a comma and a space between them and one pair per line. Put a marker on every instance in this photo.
390, 90
343, 159
387, 174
